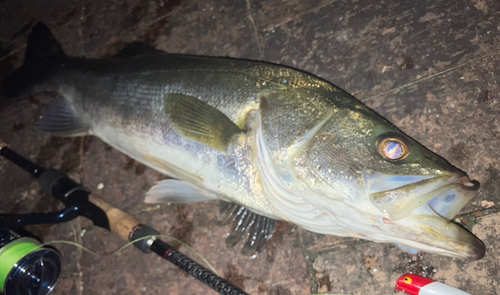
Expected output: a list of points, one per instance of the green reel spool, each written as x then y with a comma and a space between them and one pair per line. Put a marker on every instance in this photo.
28, 269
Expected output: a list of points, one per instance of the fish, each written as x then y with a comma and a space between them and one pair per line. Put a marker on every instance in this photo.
273, 142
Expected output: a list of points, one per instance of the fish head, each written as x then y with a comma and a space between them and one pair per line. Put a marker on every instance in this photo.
396, 189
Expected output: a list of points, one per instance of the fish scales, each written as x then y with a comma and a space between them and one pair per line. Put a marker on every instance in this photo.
280, 142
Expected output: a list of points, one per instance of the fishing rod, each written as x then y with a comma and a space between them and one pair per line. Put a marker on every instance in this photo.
26, 268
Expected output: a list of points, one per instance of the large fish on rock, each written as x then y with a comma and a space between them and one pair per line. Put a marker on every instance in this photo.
279, 143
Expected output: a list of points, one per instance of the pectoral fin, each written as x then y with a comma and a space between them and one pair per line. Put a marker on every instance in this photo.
200, 122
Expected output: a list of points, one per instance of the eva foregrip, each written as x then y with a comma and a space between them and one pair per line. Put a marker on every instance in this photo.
196, 270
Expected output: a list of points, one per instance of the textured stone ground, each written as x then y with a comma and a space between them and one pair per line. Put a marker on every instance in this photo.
431, 67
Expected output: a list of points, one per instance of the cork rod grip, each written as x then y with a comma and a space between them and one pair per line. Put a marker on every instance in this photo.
119, 221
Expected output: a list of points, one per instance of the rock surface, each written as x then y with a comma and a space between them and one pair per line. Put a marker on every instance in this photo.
430, 67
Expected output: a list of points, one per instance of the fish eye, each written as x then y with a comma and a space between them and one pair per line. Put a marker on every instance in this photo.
407, 280
392, 148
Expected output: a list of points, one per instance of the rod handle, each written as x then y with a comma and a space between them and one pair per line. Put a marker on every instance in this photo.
120, 222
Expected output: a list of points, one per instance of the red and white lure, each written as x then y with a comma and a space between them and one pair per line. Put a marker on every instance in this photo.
417, 285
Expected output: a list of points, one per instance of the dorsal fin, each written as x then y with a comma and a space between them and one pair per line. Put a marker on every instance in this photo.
137, 48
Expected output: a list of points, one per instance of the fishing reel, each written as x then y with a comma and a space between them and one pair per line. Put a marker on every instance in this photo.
26, 268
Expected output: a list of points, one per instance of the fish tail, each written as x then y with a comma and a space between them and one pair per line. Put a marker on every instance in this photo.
44, 55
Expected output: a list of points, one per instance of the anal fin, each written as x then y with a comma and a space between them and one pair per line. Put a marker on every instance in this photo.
255, 229
61, 120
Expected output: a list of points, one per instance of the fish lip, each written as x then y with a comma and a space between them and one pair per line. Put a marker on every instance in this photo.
399, 201
479, 249
469, 185
461, 236
475, 248
442, 235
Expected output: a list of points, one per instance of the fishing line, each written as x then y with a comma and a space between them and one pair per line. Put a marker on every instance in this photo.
205, 261
38, 271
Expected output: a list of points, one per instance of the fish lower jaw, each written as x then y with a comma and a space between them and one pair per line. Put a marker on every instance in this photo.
413, 247
433, 234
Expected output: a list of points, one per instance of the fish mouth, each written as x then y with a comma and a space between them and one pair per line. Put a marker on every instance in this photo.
419, 211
